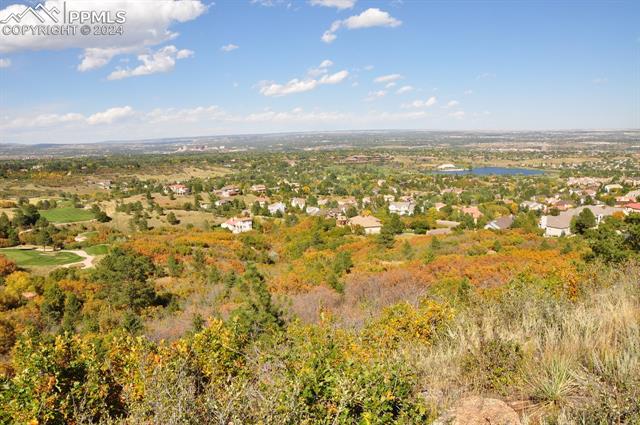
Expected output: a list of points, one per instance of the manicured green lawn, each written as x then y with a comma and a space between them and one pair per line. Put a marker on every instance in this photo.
66, 215
30, 258
97, 250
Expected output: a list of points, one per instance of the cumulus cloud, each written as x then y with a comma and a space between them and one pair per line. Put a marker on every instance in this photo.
229, 47
147, 24
338, 4
419, 103
452, 104
321, 69
387, 78
373, 95
404, 89
163, 60
316, 77
5, 63
457, 114
110, 115
372, 17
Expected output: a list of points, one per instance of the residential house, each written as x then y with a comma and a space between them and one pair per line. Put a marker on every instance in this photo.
179, 189
473, 211
345, 204
298, 203
370, 224
402, 208
613, 188
500, 223
278, 206
561, 224
633, 195
532, 206
228, 191
632, 207
238, 225
258, 188
222, 201
312, 210
262, 201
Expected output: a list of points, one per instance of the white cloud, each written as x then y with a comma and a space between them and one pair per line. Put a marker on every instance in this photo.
404, 89
421, 103
296, 85
110, 115
468, 92
452, 104
229, 47
122, 123
387, 78
373, 95
163, 60
372, 17
368, 68
600, 81
5, 62
46, 121
147, 24
323, 68
457, 114
338, 4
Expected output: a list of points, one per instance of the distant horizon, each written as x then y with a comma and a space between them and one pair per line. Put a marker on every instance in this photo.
386, 130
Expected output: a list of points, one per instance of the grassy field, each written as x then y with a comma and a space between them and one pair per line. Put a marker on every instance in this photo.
97, 250
66, 215
31, 258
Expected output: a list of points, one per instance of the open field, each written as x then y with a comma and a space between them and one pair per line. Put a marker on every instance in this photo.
97, 250
32, 258
66, 215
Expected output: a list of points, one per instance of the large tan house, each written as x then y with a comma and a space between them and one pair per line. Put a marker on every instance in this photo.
370, 224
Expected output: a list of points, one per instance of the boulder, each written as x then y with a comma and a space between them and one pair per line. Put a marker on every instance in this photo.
479, 411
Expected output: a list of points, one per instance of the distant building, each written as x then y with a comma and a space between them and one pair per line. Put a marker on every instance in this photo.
532, 206
258, 188
298, 202
228, 191
370, 224
262, 201
500, 223
613, 188
179, 189
278, 206
402, 208
561, 224
473, 211
632, 207
238, 225
312, 210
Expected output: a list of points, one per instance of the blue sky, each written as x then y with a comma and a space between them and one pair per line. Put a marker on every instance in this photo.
191, 68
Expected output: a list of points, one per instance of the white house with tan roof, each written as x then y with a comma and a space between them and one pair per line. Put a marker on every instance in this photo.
238, 224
